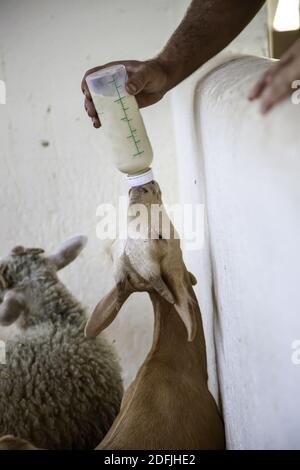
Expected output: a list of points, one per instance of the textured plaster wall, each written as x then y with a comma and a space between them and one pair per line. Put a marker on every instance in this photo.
245, 168
54, 167
252, 180
190, 161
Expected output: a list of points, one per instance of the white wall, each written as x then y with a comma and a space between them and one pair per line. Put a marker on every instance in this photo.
252, 183
49, 193
252, 40
246, 169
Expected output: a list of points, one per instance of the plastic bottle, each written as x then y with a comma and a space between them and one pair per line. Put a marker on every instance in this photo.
122, 123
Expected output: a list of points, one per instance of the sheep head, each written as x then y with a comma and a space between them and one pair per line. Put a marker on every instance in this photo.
26, 273
151, 262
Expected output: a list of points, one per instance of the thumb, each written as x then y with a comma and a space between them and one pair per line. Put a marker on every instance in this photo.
136, 82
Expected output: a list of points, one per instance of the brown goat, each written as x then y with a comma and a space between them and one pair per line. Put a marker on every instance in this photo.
168, 405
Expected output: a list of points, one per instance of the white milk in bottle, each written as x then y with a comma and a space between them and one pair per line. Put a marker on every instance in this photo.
121, 122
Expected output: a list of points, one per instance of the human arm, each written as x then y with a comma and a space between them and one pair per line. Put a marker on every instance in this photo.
207, 28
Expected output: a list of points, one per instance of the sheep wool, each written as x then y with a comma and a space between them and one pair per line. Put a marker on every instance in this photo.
58, 389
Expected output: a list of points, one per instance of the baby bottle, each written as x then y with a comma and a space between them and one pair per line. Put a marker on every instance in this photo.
122, 123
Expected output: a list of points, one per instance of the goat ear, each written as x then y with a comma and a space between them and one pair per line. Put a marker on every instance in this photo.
68, 251
192, 279
106, 311
186, 303
14, 303
187, 309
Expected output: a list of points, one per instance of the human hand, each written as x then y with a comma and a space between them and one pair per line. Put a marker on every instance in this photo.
146, 80
276, 83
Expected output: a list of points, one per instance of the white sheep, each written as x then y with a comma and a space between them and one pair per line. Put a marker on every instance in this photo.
58, 389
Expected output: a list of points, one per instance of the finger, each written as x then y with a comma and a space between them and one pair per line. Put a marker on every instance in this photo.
92, 113
85, 89
281, 85
268, 77
263, 82
136, 81
278, 89
147, 99
90, 108
288, 55
96, 122
257, 89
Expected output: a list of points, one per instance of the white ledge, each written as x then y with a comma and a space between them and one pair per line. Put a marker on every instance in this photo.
247, 171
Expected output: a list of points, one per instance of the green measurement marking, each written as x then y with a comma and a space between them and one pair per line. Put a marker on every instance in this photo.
119, 99
127, 119
138, 153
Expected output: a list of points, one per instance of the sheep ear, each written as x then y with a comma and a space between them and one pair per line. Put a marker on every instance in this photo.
68, 251
106, 311
14, 303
